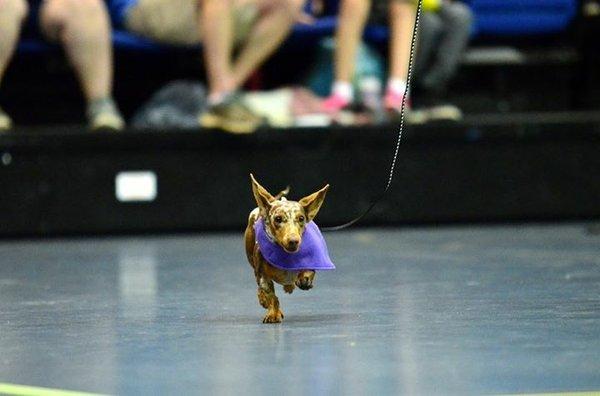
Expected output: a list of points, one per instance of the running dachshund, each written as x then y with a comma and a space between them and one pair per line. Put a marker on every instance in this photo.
284, 245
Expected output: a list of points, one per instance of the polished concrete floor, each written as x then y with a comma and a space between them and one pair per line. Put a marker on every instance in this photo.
461, 310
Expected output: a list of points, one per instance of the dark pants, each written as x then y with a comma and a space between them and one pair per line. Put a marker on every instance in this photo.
443, 37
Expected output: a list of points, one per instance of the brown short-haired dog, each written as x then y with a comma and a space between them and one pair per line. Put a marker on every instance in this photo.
284, 223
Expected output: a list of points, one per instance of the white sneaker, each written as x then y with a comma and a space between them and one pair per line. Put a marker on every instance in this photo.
104, 115
445, 112
5, 121
107, 120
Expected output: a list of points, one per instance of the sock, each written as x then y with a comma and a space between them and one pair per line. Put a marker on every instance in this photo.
396, 86
101, 105
343, 89
217, 98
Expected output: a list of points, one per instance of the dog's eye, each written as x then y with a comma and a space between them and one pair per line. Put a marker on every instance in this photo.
278, 219
301, 219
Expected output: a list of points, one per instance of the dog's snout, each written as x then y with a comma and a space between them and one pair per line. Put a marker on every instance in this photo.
293, 244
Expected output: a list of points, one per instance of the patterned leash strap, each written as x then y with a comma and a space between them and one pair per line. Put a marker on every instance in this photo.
378, 198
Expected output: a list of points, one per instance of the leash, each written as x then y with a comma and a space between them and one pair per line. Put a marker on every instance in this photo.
378, 198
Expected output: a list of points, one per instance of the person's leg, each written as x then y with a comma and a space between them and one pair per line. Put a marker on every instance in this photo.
12, 15
226, 109
351, 23
456, 20
275, 21
352, 19
216, 24
430, 29
83, 28
402, 22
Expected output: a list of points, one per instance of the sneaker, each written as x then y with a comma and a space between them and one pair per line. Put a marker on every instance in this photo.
393, 105
103, 115
5, 121
107, 121
444, 112
231, 115
434, 103
334, 104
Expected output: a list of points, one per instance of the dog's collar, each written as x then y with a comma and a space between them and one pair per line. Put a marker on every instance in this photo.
312, 255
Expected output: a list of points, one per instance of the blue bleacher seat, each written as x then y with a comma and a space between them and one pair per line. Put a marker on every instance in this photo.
522, 17
508, 18
492, 18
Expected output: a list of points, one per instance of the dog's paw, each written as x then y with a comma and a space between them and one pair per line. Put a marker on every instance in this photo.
305, 280
288, 288
273, 316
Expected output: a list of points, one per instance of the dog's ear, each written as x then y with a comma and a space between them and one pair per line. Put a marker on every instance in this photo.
262, 196
312, 203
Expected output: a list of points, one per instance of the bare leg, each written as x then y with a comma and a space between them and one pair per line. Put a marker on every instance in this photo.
83, 28
12, 14
402, 21
352, 19
275, 22
216, 21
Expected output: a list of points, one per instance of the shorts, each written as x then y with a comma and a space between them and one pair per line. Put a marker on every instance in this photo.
176, 22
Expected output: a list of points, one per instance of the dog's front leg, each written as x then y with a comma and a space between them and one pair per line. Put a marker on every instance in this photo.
305, 280
268, 299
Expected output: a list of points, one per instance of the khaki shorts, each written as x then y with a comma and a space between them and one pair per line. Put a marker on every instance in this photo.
177, 22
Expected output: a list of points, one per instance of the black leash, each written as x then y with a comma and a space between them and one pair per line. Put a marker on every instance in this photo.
402, 113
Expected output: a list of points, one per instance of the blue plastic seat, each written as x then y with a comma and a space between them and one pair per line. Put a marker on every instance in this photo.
508, 18
522, 17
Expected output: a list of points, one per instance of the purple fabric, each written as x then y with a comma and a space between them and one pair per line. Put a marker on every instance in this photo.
313, 254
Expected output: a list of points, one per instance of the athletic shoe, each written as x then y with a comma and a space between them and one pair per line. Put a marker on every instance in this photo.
231, 115
334, 104
444, 112
393, 104
5, 121
103, 115
107, 120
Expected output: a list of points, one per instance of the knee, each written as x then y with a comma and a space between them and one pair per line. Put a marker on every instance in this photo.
14, 9
431, 24
290, 8
461, 14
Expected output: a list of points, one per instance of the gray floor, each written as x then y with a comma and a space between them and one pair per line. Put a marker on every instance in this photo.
452, 310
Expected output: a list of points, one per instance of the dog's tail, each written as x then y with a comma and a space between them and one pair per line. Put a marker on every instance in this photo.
282, 194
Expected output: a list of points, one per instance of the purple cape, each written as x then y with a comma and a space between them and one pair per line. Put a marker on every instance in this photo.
312, 255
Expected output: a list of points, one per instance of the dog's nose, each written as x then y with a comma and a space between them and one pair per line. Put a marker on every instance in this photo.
293, 244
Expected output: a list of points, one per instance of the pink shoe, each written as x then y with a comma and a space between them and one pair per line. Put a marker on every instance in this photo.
334, 104
393, 101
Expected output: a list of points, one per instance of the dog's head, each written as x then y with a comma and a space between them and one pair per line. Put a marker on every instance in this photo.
285, 220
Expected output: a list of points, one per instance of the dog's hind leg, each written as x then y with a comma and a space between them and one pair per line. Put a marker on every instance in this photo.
268, 299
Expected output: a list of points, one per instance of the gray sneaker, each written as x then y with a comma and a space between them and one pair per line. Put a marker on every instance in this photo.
231, 115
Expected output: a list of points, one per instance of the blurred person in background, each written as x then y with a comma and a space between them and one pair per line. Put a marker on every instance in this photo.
255, 28
82, 27
444, 32
352, 19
